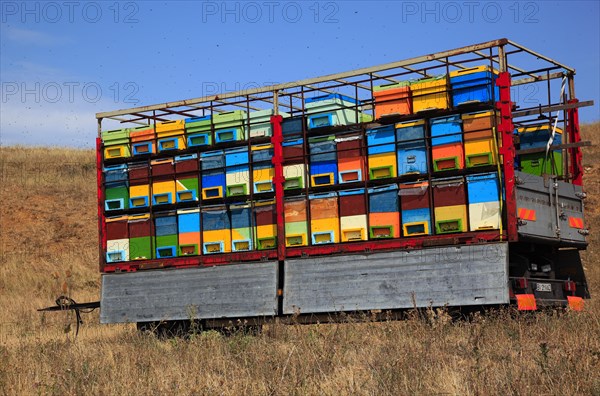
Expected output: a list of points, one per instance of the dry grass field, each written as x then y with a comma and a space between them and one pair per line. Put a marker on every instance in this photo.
48, 247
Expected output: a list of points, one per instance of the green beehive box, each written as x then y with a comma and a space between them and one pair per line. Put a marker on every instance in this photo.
166, 240
229, 119
538, 164
116, 143
140, 248
115, 194
116, 136
230, 126
198, 126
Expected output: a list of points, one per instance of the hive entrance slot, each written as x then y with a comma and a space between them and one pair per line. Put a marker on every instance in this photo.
241, 246
266, 243
479, 159
353, 235
294, 240
350, 176
415, 229
188, 250
448, 226
381, 231
293, 182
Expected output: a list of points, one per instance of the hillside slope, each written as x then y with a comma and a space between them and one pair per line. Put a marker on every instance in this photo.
48, 247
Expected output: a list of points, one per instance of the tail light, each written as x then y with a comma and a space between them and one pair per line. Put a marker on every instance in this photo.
570, 286
521, 283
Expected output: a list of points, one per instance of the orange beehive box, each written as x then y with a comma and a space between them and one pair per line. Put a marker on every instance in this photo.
449, 156
392, 99
384, 225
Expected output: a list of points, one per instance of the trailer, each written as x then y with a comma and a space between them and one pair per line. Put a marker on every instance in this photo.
426, 182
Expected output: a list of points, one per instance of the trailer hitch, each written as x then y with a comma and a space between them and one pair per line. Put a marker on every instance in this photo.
64, 303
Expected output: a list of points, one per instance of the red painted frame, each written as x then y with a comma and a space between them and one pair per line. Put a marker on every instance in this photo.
101, 218
576, 165
507, 151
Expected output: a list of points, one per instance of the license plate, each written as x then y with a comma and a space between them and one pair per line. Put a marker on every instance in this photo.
543, 287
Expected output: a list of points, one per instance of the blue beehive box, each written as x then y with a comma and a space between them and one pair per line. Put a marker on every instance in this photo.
483, 192
115, 173
165, 228
323, 161
213, 174
446, 130
417, 221
215, 218
383, 199
538, 136
474, 85
381, 140
412, 158
292, 126
483, 187
188, 221
262, 153
410, 131
165, 224
236, 156
241, 227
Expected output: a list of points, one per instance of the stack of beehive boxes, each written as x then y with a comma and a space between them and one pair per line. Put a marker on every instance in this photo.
204, 185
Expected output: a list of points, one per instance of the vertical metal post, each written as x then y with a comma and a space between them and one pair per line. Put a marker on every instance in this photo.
507, 151
576, 157
101, 197
277, 160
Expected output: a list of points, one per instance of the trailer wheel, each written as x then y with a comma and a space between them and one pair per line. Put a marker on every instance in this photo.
165, 329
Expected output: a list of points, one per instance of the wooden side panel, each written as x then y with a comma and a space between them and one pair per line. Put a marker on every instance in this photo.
228, 291
454, 276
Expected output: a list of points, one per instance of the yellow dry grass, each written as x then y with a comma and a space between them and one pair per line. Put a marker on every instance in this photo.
48, 246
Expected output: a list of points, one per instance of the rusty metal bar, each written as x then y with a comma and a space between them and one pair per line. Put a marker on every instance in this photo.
551, 108
537, 78
309, 81
540, 56
585, 143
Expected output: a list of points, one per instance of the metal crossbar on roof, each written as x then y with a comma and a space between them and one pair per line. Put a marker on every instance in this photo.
361, 79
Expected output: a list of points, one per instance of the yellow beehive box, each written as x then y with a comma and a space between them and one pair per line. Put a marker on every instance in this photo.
325, 231
163, 192
263, 179
139, 196
430, 94
266, 236
216, 241
450, 219
383, 165
170, 128
480, 152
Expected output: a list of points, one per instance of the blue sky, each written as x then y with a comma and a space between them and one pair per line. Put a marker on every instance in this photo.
61, 62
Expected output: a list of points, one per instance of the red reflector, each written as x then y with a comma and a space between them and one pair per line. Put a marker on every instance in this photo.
576, 222
570, 286
575, 303
521, 283
526, 214
526, 302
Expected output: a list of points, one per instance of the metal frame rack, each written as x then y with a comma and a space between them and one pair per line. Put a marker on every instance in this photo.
526, 68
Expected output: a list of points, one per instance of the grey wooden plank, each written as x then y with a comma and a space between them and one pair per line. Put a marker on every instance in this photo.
466, 275
227, 291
